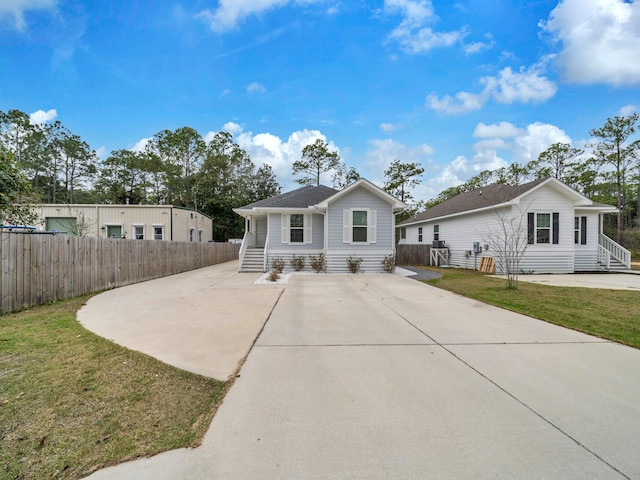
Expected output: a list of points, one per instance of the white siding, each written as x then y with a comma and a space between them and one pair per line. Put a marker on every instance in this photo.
462, 231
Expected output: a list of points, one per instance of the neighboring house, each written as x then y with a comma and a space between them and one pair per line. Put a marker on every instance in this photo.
138, 222
560, 228
357, 221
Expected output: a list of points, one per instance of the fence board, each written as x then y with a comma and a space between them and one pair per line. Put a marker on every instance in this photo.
36, 269
412, 254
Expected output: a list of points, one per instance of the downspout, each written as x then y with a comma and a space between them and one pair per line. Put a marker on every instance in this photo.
171, 222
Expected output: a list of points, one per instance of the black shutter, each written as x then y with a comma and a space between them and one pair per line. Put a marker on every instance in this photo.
531, 229
556, 228
583, 230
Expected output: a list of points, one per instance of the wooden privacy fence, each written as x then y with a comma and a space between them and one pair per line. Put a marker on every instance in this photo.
412, 254
36, 269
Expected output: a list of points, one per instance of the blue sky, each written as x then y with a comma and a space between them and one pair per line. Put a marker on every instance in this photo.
459, 87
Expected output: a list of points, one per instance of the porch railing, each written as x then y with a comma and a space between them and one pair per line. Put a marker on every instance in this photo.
246, 239
615, 250
604, 257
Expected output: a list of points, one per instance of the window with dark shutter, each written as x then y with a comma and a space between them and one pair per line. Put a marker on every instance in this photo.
531, 228
583, 230
556, 228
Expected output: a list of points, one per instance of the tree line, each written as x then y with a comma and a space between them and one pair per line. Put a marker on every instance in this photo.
47, 163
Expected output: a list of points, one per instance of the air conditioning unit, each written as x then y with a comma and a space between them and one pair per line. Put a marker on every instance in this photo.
438, 244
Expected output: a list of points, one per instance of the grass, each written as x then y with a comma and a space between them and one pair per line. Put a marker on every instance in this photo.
72, 402
609, 314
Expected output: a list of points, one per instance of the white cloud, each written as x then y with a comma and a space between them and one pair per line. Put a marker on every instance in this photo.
256, 87
390, 127
102, 152
627, 110
16, 9
477, 47
461, 102
528, 85
39, 117
140, 145
274, 151
231, 12
538, 137
499, 130
412, 34
384, 151
600, 40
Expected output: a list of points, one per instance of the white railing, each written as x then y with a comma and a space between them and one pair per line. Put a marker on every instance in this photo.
439, 256
264, 254
615, 250
604, 257
243, 247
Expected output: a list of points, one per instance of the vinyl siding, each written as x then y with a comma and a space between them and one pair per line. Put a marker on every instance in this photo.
275, 236
460, 232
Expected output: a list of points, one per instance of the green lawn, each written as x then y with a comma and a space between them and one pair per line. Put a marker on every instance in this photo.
610, 314
71, 402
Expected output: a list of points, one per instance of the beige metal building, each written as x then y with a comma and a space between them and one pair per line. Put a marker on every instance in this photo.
139, 222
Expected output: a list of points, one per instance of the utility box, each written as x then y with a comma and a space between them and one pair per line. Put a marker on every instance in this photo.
476, 247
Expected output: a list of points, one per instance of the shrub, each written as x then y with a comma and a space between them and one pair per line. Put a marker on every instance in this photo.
354, 264
277, 264
389, 263
274, 275
297, 263
318, 262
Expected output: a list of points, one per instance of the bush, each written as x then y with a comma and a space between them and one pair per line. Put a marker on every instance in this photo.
354, 264
277, 264
318, 262
297, 263
274, 275
389, 263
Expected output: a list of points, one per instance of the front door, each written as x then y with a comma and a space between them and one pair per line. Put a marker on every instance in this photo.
261, 232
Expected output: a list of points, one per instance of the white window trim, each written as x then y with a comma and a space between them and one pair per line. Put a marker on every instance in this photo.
285, 227
192, 235
420, 234
200, 235
347, 226
154, 226
144, 233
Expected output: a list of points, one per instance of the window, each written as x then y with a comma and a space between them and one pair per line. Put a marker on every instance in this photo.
403, 233
419, 234
114, 231
296, 228
580, 230
436, 232
543, 228
138, 232
359, 226
200, 235
158, 232
191, 234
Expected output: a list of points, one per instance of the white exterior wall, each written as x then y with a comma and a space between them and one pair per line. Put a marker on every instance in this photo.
461, 231
127, 216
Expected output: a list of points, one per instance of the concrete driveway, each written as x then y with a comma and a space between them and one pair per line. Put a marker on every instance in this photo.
608, 281
379, 376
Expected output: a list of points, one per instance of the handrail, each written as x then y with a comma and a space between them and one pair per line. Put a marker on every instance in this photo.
604, 257
616, 250
243, 248
264, 254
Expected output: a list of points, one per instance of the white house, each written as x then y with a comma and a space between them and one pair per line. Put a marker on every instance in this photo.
138, 222
561, 229
357, 221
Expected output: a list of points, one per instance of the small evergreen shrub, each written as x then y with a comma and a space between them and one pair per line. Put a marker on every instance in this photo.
354, 264
317, 262
297, 263
277, 264
389, 263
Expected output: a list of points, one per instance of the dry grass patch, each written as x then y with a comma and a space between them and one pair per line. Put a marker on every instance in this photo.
71, 402
609, 314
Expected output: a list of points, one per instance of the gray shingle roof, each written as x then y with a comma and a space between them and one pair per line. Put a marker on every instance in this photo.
301, 198
480, 198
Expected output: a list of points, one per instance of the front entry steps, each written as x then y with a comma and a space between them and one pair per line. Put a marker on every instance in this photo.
253, 260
